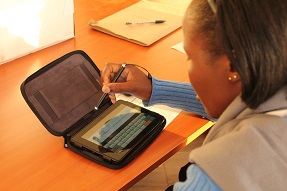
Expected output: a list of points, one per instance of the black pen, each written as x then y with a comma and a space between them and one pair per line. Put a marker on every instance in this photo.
114, 80
146, 22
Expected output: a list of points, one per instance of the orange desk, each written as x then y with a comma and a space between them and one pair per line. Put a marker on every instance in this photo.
32, 159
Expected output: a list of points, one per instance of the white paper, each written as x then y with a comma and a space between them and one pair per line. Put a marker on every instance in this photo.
168, 112
179, 47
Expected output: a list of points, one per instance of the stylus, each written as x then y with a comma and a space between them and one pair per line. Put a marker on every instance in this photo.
114, 80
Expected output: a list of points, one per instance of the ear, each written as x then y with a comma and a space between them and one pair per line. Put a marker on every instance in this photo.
233, 74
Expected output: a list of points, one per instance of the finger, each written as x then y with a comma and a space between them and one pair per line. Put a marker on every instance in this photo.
106, 89
112, 98
119, 87
109, 71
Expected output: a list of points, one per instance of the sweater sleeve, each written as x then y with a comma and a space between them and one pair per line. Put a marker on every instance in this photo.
197, 179
177, 95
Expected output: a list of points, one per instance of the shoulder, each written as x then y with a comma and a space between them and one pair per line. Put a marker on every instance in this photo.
249, 142
249, 124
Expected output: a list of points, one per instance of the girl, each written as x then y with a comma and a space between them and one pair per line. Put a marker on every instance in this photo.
237, 51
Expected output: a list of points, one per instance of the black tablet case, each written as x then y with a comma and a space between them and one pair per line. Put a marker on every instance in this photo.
63, 95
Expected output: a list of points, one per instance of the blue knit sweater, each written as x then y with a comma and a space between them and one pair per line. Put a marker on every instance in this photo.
177, 95
182, 96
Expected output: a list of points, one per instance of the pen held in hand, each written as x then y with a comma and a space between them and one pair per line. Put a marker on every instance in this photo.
113, 81
146, 22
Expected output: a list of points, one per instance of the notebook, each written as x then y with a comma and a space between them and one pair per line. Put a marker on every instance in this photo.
142, 34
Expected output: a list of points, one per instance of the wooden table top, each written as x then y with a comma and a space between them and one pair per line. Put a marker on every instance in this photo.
33, 159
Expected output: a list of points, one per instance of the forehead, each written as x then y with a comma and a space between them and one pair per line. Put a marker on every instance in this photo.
188, 20
195, 46
190, 25
188, 29
191, 38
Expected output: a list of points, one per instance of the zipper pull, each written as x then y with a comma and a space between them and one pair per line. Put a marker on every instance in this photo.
66, 138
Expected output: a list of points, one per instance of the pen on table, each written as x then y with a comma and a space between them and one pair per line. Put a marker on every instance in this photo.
145, 22
114, 80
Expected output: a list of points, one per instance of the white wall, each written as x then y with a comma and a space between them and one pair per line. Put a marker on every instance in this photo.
29, 25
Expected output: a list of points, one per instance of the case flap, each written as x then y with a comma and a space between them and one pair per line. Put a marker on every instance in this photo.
64, 91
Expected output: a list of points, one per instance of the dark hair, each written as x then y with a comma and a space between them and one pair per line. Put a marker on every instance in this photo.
253, 34
204, 26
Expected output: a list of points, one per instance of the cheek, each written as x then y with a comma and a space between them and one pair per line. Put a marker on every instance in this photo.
191, 73
196, 78
204, 88
198, 82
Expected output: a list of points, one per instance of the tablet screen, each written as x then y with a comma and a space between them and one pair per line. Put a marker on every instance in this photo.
116, 130
113, 133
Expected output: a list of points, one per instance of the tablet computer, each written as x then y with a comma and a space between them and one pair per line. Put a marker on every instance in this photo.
118, 130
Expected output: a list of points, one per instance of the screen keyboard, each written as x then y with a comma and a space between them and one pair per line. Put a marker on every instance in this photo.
116, 143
